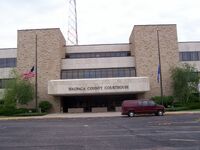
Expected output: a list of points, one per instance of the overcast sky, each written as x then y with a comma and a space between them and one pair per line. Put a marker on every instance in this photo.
99, 21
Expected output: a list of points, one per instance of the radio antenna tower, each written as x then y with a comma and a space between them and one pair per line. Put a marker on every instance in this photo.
72, 34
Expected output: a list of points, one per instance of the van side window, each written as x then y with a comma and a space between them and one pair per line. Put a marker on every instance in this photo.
145, 103
139, 103
151, 103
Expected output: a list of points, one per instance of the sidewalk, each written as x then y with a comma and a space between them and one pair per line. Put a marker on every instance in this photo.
87, 115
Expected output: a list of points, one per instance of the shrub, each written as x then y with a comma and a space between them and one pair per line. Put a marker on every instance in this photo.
195, 97
176, 109
30, 114
21, 110
167, 101
181, 106
32, 110
1, 102
45, 106
193, 105
7, 110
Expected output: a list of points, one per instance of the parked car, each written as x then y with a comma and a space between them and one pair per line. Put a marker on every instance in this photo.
132, 107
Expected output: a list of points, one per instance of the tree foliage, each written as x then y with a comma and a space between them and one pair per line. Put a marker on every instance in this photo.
185, 82
19, 91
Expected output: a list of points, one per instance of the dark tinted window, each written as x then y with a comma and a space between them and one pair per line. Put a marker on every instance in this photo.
98, 54
145, 103
3, 83
151, 103
98, 73
139, 103
189, 56
7, 62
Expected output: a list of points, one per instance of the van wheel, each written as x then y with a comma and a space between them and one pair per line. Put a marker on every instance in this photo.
131, 114
160, 113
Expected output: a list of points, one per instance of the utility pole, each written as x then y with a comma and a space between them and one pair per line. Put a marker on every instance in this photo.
160, 67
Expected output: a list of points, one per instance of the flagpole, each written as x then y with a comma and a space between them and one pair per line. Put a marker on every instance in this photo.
161, 86
36, 97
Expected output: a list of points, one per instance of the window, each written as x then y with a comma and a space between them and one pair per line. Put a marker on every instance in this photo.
118, 54
69, 74
189, 56
127, 72
140, 103
123, 54
7, 62
64, 74
86, 74
115, 73
98, 54
151, 103
92, 73
3, 83
74, 74
108, 54
97, 73
103, 73
145, 103
132, 72
121, 72
109, 73
194, 56
81, 74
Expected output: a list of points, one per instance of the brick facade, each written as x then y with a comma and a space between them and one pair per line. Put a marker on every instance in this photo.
50, 51
144, 46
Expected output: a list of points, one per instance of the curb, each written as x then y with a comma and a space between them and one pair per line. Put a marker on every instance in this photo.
182, 112
86, 115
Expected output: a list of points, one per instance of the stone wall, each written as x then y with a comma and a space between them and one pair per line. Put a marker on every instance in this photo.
144, 46
50, 51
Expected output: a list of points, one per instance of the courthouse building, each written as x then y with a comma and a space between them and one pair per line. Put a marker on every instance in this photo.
97, 77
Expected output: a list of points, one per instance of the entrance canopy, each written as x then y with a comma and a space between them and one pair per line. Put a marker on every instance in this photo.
98, 86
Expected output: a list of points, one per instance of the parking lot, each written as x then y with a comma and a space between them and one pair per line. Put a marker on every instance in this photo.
170, 132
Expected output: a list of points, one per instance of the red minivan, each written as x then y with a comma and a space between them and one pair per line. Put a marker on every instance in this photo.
132, 107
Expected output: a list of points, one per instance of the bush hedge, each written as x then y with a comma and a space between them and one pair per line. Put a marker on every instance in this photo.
7, 111
193, 105
167, 101
189, 106
45, 106
30, 114
1, 102
10, 111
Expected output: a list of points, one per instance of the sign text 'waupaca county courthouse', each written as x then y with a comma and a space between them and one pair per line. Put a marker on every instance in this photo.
99, 88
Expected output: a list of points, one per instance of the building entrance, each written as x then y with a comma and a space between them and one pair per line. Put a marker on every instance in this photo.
89, 103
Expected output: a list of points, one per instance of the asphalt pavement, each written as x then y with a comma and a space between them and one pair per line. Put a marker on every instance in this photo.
145, 132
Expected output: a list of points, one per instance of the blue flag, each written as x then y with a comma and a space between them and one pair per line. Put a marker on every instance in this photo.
158, 74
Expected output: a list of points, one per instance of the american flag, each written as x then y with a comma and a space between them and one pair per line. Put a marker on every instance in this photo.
30, 74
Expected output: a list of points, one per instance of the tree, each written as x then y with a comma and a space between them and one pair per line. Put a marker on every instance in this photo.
18, 90
185, 82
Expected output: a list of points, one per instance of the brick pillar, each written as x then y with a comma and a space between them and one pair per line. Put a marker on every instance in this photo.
50, 51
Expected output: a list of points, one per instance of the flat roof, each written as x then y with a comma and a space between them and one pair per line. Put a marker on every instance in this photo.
98, 44
38, 29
